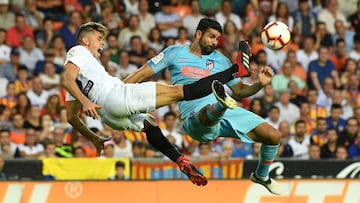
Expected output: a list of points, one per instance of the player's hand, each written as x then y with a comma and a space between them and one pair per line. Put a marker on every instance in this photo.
90, 108
265, 75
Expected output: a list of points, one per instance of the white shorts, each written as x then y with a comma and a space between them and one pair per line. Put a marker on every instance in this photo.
124, 106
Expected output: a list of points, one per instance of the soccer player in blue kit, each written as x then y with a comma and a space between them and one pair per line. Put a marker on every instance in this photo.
204, 122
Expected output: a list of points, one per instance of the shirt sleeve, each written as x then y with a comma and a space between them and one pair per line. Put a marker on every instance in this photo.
163, 59
77, 55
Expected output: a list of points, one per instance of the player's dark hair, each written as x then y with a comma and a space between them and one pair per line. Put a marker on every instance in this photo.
207, 23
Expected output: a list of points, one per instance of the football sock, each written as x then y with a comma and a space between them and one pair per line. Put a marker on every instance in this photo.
215, 111
202, 87
267, 156
155, 137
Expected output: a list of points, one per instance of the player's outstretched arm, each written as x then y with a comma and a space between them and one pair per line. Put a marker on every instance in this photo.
72, 109
70, 74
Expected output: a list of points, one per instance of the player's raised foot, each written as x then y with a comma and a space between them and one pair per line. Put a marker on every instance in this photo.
99, 144
243, 59
270, 184
195, 176
220, 94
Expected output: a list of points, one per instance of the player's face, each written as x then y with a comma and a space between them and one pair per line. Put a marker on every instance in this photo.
96, 43
209, 40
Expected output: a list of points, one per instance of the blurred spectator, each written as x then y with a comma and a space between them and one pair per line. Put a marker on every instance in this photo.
44, 36
307, 53
29, 53
110, 18
354, 19
296, 95
335, 119
108, 149
274, 117
50, 79
355, 54
227, 148
282, 14
242, 149
257, 107
7, 17
168, 21
71, 5
205, 151
328, 150
22, 84
62, 122
156, 41
151, 152
47, 126
354, 149
79, 152
322, 37
256, 151
347, 7
30, 149
347, 137
3, 176
62, 149
137, 53
112, 46
170, 120
49, 149
314, 152
288, 110
52, 9
3, 84
225, 14
10, 99
33, 119
190, 21
266, 8
57, 47
330, 14
350, 68
320, 69
298, 71
353, 92
182, 37
304, 19
275, 58
339, 56
33, 17
252, 22
300, 142
284, 148
342, 33
281, 81
123, 147
37, 95
127, 33
22, 105
4, 48
16, 33
181, 7
52, 107
147, 20
9, 70
231, 37
338, 97
315, 109
138, 149
341, 153
326, 92
319, 134
49, 58
119, 172
68, 31
131, 7
7, 148
304, 110
269, 98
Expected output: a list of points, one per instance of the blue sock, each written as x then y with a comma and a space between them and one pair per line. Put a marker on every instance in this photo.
215, 111
267, 156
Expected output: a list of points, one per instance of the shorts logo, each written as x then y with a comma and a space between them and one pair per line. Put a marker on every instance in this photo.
156, 59
210, 64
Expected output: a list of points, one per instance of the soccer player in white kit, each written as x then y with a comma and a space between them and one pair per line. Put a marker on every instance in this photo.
121, 106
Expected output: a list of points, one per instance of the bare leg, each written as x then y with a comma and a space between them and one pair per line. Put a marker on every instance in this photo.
168, 94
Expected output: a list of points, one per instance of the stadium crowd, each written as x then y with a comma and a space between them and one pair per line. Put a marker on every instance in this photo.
313, 99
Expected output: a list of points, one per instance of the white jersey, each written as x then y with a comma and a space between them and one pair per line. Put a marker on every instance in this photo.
93, 79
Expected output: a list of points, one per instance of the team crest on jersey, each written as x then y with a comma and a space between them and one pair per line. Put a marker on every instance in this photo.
71, 53
210, 64
156, 59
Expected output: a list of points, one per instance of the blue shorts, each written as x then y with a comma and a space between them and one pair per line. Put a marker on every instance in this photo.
235, 123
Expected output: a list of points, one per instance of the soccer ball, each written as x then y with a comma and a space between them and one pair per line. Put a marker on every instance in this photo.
275, 35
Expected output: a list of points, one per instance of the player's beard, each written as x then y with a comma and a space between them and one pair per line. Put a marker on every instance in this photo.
206, 49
